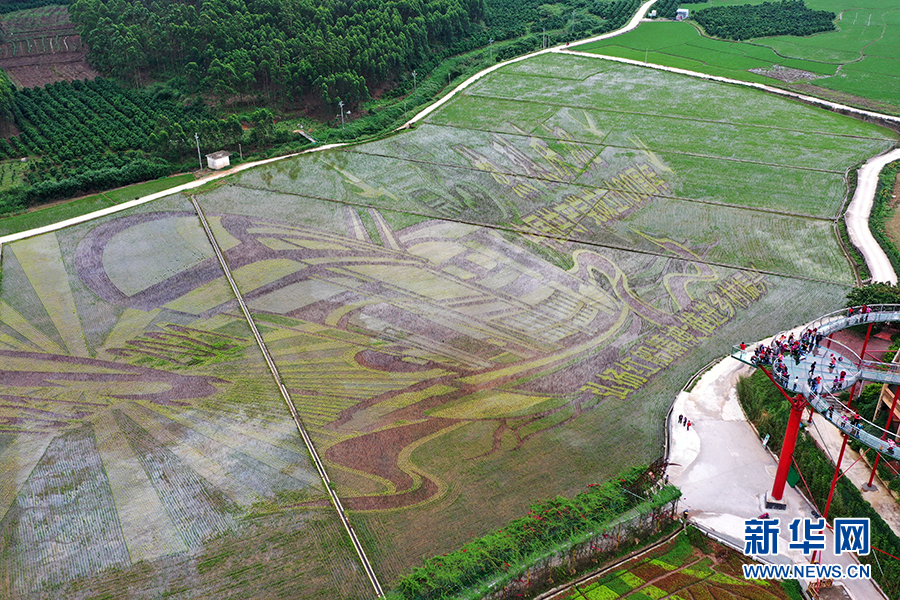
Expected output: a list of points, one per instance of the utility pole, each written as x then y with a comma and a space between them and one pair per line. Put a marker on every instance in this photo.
491, 43
341, 110
199, 158
573, 22
544, 39
415, 87
241, 150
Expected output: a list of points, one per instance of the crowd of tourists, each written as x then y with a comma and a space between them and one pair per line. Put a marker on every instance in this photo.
797, 348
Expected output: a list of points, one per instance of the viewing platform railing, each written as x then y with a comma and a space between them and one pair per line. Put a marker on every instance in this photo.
826, 403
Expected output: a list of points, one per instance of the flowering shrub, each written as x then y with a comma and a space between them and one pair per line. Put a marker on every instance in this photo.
546, 526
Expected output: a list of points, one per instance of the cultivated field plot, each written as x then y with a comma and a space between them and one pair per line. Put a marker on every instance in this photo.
471, 317
138, 431
859, 63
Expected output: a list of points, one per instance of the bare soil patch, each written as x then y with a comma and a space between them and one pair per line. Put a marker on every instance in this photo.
786, 74
42, 69
43, 47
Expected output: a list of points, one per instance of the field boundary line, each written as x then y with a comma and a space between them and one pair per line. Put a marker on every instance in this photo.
592, 244
639, 114
632, 24
642, 114
575, 183
360, 551
693, 154
822, 103
857, 213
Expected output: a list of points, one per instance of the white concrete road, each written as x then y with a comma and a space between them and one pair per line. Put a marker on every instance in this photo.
724, 472
857, 218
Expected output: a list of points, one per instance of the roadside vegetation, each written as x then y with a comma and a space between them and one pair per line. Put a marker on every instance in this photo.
884, 210
552, 527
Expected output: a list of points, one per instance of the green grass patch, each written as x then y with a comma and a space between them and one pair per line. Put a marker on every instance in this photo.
140, 190
870, 33
11, 174
75, 208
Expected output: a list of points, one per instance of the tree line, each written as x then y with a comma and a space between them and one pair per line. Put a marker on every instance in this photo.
547, 527
7, 101
285, 48
745, 21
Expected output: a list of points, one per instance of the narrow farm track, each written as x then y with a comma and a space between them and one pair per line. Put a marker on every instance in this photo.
314, 455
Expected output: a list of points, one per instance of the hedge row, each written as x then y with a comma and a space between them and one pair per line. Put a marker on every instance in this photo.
882, 211
548, 526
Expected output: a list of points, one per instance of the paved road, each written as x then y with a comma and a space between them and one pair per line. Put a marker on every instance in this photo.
857, 218
724, 472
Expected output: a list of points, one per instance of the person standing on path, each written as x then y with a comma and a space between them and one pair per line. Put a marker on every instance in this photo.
688, 425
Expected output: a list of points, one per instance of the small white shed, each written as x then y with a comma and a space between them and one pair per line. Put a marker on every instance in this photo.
218, 160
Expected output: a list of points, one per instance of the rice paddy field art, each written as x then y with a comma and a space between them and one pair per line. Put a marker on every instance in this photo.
487, 311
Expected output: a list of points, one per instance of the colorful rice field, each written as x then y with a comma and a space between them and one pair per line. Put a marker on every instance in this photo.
470, 317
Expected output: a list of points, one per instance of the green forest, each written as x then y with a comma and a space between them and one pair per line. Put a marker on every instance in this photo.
332, 49
284, 47
788, 17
